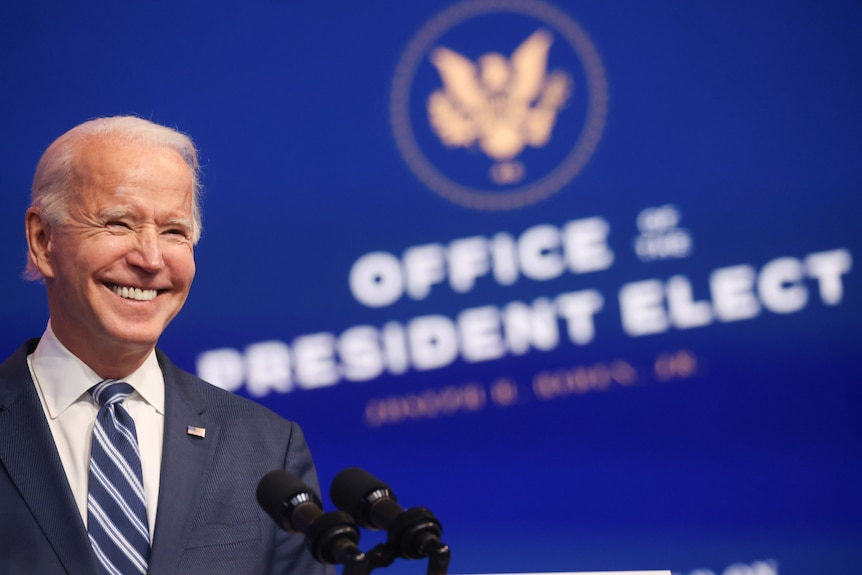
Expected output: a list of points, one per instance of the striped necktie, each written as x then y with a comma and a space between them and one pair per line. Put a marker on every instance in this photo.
116, 506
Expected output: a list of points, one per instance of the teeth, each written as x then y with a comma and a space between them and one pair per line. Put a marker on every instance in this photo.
134, 293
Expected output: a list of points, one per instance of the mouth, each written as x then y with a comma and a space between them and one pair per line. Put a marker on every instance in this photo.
133, 293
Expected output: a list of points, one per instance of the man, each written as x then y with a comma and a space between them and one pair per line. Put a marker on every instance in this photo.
111, 230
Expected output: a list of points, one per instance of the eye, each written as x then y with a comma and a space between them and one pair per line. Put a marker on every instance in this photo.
118, 224
177, 233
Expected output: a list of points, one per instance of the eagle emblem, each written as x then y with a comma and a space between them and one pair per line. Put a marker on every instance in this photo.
500, 105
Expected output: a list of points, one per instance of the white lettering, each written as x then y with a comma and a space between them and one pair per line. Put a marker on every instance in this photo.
671, 244
376, 280
268, 365
433, 341
779, 286
359, 351
769, 567
642, 308
222, 368
733, 297
538, 251
480, 334
541, 253
505, 264
487, 333
658, 219
525, 326
684, 312
315, 360
586, 245
395, 348
827, 268
468, 260
578, 309
424, 266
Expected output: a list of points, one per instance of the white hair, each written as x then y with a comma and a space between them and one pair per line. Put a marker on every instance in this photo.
52, 183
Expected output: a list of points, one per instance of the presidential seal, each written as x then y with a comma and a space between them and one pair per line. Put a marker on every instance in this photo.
498, 104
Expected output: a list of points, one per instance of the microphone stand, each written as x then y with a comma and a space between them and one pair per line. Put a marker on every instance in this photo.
384, 554
438, 558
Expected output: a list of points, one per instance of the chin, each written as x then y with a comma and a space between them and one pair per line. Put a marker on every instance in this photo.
145, 337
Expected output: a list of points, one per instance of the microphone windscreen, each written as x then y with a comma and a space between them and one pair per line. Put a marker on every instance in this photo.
351, 486
277, 488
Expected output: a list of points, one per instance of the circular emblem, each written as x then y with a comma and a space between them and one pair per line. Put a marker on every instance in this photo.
498, 104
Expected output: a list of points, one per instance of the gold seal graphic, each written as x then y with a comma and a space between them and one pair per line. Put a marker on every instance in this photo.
499, 105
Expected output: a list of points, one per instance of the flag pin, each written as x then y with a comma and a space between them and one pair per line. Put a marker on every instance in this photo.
196, 431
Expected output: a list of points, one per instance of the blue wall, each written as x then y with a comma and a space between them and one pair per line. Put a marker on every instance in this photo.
665, 374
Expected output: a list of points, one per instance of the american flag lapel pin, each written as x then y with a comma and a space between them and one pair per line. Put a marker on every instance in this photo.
196, 431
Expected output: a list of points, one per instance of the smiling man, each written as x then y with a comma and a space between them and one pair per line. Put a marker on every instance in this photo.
112, 459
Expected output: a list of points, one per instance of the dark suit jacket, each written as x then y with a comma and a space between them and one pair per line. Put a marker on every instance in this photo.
208, 521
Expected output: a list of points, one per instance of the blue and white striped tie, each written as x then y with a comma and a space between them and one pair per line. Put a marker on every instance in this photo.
116, 506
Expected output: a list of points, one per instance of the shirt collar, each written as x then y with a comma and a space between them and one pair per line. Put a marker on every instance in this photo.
63, 378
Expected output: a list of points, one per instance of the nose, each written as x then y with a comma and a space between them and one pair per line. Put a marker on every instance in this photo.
147, 252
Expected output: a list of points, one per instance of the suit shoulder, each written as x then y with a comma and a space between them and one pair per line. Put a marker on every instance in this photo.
15, 374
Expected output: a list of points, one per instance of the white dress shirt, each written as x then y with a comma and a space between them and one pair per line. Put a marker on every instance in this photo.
62, 381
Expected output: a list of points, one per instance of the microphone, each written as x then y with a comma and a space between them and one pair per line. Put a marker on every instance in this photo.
293, 505
414, 533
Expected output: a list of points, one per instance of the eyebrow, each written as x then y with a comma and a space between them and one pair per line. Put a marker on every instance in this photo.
114, 213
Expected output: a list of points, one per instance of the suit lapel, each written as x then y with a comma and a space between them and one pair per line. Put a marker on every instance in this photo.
30, 457
185, 460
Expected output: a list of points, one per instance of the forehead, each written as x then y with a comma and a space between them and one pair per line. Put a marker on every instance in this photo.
108, 166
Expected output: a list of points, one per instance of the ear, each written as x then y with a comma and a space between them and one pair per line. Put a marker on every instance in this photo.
39, 244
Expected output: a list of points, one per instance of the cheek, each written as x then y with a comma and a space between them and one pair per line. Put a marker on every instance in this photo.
181, 262
69, 263
91, 257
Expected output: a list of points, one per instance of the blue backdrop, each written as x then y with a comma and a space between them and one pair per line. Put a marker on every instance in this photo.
580, 277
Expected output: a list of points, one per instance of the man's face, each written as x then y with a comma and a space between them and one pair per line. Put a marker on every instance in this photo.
120, 267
